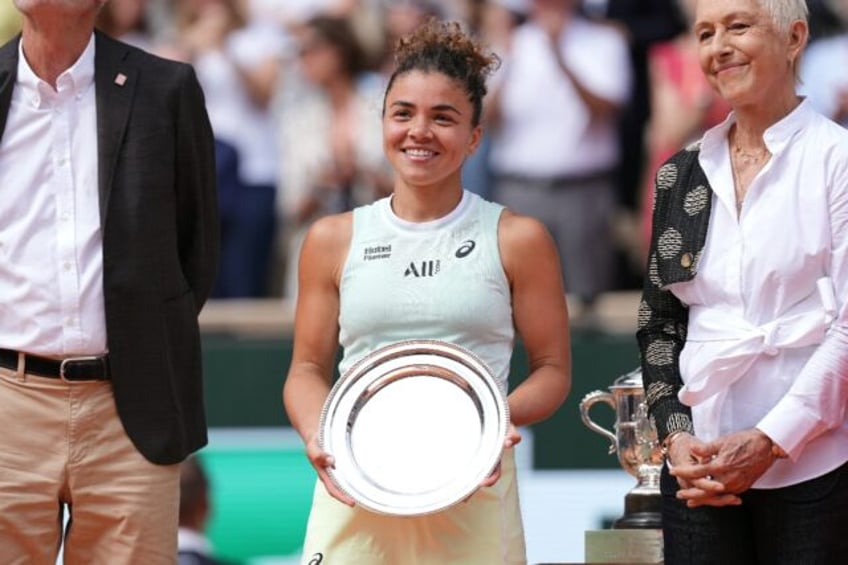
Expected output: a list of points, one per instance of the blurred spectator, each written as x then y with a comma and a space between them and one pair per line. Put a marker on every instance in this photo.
126, 20
498, 20
10, 21
821, 82
824, 20
683, 106
193, 548
330, 133
644, 23
237, 60
401, 17
555, 147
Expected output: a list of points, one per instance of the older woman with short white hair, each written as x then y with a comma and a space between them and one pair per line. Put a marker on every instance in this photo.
743, 327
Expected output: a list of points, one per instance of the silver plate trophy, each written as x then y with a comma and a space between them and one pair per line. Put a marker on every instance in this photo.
635, 441
414, 427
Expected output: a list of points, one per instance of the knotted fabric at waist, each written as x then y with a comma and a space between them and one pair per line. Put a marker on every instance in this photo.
737, 343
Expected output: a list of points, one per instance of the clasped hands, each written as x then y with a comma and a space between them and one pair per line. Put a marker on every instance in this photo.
715, 473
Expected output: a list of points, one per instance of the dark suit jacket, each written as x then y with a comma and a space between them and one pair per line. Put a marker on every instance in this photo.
683, 198
158, 214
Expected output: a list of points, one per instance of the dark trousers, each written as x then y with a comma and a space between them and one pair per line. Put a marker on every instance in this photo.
803, 524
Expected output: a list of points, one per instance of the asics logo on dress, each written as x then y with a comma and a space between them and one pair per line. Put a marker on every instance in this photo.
465, 248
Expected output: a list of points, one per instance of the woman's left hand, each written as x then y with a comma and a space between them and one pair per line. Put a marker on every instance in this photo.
512, 438
736, 461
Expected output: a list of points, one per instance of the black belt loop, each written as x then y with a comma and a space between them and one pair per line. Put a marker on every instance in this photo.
72, 369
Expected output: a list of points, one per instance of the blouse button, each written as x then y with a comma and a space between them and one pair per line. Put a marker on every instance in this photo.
686, 260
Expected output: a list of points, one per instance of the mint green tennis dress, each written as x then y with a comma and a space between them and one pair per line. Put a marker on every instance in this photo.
442, 280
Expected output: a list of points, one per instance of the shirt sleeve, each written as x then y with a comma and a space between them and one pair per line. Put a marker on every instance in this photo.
662, 328
818, 399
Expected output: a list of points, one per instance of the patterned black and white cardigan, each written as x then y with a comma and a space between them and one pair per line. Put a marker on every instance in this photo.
682, 206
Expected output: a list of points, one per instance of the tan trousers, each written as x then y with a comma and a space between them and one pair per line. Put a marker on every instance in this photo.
64, 443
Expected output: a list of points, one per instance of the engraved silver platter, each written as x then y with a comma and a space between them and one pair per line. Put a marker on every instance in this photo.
414, 427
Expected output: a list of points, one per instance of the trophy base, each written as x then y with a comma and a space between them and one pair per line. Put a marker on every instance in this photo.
624, 546
642, 511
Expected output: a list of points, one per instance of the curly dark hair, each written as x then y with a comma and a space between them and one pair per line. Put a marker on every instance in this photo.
443, 47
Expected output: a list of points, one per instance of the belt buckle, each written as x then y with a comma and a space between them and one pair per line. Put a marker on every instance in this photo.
63, 365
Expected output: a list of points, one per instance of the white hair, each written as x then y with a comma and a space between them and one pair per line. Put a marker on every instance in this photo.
785, 12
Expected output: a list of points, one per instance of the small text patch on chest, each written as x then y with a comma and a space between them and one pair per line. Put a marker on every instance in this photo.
375, 252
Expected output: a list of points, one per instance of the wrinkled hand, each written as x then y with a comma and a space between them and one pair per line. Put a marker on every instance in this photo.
322, 461
720, 470
697, 486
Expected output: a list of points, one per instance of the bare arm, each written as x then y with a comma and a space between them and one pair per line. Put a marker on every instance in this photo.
540, 314
316, 336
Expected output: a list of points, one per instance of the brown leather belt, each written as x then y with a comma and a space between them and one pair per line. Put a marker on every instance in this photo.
72, 369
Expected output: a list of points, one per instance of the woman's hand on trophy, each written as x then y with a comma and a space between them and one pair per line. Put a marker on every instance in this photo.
322, 461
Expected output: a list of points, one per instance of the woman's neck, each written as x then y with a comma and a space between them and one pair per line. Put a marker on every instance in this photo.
425, 204
753, 120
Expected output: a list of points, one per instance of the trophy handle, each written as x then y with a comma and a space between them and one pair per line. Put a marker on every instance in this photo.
586, 404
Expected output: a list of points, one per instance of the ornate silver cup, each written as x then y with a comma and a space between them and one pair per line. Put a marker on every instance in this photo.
635, 441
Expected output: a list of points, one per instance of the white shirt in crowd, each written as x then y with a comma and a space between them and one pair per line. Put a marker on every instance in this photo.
820, 80
545, 128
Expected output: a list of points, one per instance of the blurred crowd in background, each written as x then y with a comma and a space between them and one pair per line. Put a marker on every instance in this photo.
591, 96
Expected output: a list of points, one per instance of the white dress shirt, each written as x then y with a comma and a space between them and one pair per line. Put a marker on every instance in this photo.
51, 260
767, 345
546, 130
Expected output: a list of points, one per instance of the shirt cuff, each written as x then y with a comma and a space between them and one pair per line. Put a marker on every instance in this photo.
791, 425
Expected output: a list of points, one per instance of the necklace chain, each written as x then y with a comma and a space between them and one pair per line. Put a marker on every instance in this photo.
750, 157
745, 159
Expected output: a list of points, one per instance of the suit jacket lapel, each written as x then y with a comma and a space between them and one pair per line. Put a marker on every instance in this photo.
8, 74
114, 80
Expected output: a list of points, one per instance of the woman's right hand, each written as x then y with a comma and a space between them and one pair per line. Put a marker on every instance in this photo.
322, 461
697, 486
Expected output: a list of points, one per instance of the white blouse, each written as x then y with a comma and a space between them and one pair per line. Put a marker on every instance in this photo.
768, 325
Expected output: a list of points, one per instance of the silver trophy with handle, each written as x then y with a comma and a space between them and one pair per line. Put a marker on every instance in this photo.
635, 442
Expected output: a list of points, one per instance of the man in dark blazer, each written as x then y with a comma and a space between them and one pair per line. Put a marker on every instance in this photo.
108, 250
